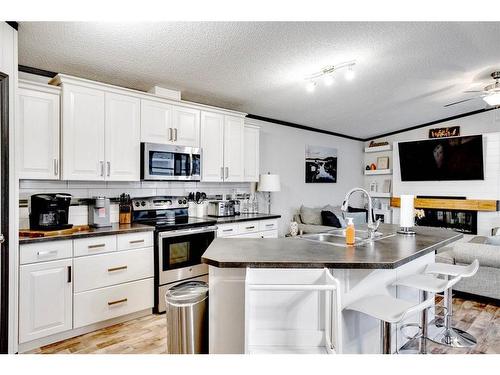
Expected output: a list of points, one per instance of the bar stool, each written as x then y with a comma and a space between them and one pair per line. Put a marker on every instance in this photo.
388, 310
426, 283
447, 334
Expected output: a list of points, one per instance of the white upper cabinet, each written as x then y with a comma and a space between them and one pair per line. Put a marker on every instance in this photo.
251, 158
156, 122
233, 148
212, 146
122, 137
82, 133
45, 299
38, 131
186, 126
169, 124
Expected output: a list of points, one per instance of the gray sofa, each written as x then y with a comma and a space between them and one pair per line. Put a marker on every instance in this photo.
309, 218
486, 282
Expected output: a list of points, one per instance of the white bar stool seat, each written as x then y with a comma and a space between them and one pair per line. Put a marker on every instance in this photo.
388, 310
448, 335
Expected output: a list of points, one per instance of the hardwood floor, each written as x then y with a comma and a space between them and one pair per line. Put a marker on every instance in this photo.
147, 335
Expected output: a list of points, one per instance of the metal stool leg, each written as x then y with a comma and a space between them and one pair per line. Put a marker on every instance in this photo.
448, 335
418, 343
385, 334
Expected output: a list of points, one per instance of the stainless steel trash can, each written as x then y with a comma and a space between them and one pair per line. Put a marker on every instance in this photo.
187, 318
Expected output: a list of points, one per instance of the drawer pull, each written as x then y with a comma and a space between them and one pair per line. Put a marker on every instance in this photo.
136, 241
252, 227
97, 246
69, 274
269, 225
44, 253
227, 230
111, 303
117, 268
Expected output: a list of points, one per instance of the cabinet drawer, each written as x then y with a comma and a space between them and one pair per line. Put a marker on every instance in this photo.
248, 227
94, 245
103, 270
43, 251
113, 301
134, 240
268, 225
225, 230
269, 234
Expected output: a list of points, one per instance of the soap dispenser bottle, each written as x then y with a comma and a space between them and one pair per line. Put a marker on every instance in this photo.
350, 232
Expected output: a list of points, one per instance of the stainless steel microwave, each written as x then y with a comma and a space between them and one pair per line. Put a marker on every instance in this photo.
170, 163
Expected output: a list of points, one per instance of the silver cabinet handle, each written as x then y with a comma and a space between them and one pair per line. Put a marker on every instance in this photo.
96, 246
117, 268
269, 225
175, 134
221, 173
170, 134
69, 274
56, 166
227, 230
44, 253
102, 167
109, 167
227, 172
111, 303
252, 227
136, 241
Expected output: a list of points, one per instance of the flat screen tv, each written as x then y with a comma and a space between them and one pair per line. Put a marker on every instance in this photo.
442, 159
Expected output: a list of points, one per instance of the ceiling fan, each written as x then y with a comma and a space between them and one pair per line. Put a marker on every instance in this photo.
490, 94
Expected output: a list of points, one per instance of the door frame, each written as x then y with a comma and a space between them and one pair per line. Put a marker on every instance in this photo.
4, 204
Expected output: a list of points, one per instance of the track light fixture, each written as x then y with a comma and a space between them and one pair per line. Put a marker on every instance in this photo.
327, 74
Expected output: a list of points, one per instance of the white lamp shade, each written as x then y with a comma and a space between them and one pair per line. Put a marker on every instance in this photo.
406, 212
269, 182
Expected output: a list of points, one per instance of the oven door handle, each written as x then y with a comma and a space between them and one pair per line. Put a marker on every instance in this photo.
183, 232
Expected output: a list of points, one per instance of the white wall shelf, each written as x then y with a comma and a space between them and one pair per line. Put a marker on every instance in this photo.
378, 148
378, 172
380, 195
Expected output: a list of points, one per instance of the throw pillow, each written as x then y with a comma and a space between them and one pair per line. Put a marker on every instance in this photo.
310, 215
493, 240
330, 219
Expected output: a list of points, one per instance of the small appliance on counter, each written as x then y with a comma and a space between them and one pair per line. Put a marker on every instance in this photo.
49, 211
99, 215
220, 208
125, 209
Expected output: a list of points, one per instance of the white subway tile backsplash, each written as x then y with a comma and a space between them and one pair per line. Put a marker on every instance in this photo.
43, 184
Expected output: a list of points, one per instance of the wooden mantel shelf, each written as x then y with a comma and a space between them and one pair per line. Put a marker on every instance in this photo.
452, 204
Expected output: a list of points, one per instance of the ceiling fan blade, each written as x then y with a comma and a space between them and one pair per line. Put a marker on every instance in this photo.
460, 101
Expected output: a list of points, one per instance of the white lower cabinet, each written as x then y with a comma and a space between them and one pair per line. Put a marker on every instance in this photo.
101, 278
110, 302
45, 299
249, 229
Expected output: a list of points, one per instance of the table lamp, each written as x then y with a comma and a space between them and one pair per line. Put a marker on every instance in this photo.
269, 183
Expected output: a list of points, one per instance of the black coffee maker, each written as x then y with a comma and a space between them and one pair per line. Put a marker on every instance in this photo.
49, 211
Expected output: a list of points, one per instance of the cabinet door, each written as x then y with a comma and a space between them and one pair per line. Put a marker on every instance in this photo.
82, 133
212, 146
45, 299
122, 138
156, 122
233, 148
251, 150
186, 126
38, 135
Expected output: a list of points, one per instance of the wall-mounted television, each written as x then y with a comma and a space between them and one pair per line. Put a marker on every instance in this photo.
442, 159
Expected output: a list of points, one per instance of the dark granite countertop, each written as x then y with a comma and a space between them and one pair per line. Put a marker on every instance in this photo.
91, 232
243, 217
390, 252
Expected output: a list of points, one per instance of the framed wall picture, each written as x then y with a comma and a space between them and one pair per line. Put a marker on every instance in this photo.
321, 164
383, 162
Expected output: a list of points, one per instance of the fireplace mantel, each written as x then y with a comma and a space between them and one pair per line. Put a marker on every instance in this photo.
452, 204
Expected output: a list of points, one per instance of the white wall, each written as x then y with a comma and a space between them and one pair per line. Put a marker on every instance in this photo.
8, 65
486, 123
282, 151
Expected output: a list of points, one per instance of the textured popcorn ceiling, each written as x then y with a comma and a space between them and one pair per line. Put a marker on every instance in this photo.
405, 72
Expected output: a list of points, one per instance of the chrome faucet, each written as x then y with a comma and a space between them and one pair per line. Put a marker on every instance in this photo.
372, 226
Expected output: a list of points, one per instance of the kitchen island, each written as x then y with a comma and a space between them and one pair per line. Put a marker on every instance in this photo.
369, 268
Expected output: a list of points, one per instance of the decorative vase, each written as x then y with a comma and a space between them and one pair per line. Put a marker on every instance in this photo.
294, 228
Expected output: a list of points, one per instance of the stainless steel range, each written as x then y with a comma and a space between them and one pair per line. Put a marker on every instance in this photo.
179, 242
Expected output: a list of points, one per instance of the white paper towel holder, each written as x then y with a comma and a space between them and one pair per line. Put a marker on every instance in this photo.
406, 231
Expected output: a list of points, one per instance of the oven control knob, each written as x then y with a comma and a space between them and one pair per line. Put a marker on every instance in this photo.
180, 201
168, 202
137, 204
143, 203
184, 201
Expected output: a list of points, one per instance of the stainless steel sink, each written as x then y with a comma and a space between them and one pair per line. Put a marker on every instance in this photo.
337, 237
